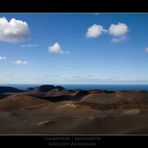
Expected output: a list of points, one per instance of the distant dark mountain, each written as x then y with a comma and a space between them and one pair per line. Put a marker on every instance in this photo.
30, 89
4, 89
59, 87
46, 88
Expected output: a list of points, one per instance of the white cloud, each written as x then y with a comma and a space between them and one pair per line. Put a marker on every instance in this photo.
146, 49
2, 58
119, 32
13, 31
95, 31
55, 48
30, 45
20, 62
119, 29
119, 39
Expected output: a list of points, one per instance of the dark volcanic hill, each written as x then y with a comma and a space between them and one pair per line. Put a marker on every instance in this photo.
46, 88
4, 89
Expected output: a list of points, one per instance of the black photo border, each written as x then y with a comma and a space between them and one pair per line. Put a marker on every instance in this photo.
72, 6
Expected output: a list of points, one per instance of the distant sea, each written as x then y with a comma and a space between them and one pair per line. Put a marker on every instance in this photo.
88, 86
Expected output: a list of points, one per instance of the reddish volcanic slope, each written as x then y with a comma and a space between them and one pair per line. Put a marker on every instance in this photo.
55, 110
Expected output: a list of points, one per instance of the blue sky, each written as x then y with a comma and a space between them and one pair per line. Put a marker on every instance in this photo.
62, 48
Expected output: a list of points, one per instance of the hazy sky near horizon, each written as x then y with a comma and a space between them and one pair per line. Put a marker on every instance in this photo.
74, 48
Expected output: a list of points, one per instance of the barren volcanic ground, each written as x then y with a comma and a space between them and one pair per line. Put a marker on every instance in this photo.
55, 110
